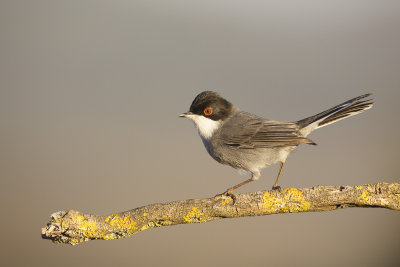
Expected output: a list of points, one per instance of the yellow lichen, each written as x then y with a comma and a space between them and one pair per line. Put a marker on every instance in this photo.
195, 216
145, 227
158, 223
89, 230
288, 200
80, 229
123, 223
225, 201
371, 199
365, 198
368, 197
144, 214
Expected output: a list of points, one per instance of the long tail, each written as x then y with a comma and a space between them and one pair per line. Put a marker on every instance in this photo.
349, 108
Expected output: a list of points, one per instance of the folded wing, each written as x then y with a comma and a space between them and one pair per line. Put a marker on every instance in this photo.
250, 131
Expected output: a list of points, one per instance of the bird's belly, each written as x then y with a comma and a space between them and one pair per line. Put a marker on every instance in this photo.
249, 159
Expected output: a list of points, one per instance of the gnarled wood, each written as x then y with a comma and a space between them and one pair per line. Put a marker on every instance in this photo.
73, 227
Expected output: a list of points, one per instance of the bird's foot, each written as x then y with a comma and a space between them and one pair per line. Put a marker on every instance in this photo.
276, 187
228, 194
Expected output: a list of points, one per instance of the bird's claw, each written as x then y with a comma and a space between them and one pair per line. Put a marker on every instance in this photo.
277, 187
228, 194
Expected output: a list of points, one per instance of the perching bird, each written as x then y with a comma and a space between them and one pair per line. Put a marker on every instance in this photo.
251, 143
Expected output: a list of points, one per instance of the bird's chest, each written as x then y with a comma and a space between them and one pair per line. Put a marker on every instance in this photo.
212, 149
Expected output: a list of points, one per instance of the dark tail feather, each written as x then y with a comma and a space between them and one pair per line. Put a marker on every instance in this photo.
349, 108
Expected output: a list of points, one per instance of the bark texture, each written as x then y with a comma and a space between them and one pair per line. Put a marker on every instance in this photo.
73, 227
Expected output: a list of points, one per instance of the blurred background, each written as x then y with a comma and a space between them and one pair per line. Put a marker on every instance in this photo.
89, 103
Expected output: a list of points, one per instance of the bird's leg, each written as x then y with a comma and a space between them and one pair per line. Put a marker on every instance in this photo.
276, 186
229, 191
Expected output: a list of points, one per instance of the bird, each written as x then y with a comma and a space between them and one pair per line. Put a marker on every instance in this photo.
248, 142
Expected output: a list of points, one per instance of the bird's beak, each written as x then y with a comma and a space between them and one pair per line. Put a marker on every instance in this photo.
186, 114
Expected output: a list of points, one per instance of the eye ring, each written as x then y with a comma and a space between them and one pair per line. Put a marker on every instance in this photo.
208, 111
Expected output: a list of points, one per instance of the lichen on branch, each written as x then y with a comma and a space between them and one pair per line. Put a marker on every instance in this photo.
73, 227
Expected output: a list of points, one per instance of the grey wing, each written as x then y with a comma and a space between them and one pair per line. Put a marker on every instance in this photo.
246, 130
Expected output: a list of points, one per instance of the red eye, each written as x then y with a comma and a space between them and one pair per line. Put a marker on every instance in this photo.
208, 111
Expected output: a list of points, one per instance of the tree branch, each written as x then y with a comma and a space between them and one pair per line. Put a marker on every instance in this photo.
73, 227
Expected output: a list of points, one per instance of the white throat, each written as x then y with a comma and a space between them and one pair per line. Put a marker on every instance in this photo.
205, 126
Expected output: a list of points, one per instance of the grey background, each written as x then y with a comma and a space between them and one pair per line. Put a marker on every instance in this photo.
89, 104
